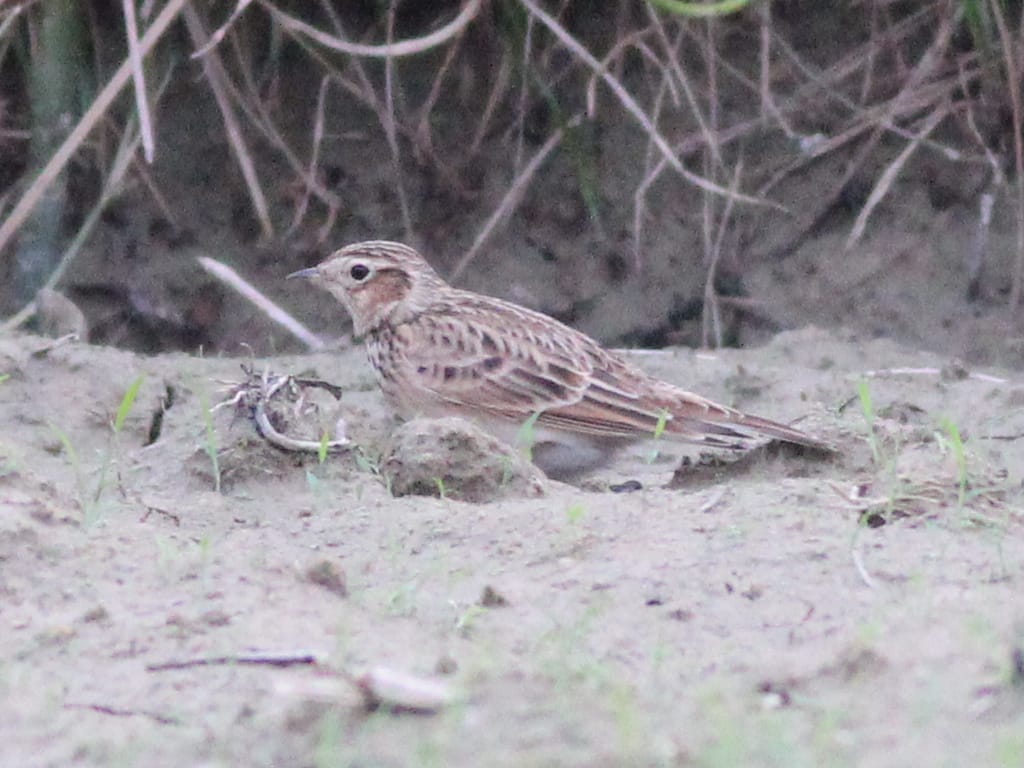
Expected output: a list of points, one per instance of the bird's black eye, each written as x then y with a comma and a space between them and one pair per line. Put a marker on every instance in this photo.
359, 272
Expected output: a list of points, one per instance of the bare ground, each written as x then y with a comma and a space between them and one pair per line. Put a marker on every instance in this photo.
780, 610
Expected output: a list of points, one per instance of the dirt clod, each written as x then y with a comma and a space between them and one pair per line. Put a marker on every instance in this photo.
328, 575
492, 598
452, 458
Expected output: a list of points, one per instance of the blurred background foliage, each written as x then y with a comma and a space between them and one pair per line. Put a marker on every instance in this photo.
268, 132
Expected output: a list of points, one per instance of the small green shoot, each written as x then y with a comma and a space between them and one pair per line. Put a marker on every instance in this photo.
322, 449
464, 624
868, 409
365, 462
127, 402
526, 437
956, 444
659, 430
4, 377
89, 499
130, 395
575, 513
210, 446
371, 465
441, 490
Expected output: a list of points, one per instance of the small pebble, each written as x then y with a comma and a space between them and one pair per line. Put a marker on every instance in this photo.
627, 487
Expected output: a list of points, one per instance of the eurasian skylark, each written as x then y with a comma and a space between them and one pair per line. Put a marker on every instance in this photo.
442, 351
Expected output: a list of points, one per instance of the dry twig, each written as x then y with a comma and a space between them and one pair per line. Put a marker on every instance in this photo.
217, 78
248, 291
285, 659
389, 50
514, 195
630, 105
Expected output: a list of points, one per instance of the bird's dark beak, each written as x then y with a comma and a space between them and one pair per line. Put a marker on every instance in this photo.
306, 273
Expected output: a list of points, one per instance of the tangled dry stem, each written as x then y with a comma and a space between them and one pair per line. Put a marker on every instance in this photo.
663, 71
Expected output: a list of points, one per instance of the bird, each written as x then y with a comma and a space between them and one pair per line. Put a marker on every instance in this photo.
438, 351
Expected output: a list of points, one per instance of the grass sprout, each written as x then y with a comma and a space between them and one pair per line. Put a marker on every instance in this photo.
211, 445
324, 447
575, 513
956, 445
125, 407
867, 408
90, 498
526, 437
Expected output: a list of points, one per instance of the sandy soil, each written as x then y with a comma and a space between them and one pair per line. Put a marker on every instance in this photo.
779, 610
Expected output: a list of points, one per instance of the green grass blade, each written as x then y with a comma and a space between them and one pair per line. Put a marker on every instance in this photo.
126, 403
323, 447
525, 437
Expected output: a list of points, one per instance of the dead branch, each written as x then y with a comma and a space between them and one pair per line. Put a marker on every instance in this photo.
249, 292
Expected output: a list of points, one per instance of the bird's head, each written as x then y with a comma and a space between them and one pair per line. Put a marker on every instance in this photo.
378, 282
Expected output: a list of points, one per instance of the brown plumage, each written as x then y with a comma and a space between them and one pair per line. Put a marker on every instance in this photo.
442, 351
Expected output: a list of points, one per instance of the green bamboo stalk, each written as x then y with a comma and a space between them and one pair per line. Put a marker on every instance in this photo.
58, 68
55, 165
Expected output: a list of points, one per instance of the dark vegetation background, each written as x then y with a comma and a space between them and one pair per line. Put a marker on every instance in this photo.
649, 175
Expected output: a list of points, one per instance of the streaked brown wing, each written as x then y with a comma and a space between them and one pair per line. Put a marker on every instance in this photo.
625, 402
508, 361
489, 356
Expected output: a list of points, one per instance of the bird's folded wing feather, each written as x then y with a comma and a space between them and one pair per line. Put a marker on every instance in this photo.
507, 363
